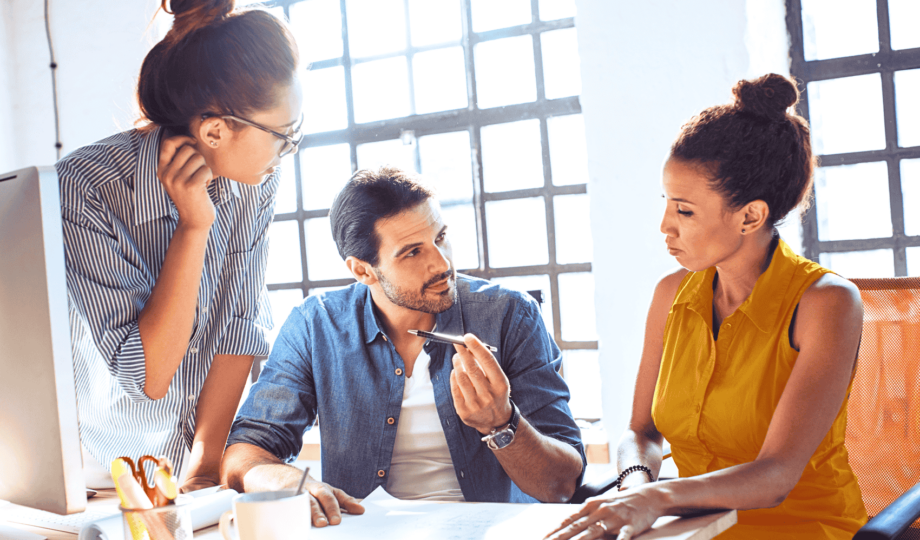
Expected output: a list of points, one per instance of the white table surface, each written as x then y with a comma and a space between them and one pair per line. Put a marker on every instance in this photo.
670, 528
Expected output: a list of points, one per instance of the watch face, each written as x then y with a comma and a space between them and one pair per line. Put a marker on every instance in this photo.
503, 438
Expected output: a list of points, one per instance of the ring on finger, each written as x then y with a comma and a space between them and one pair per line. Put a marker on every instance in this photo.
603, 526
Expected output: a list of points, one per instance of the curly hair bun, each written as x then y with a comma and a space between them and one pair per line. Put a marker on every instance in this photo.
768, 97
190, 15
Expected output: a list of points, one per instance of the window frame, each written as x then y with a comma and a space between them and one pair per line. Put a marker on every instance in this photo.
885, 62
470, 119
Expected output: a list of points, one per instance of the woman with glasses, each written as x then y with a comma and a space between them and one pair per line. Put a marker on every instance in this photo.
165, 236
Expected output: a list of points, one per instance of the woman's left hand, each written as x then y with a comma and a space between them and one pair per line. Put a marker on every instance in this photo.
198, 482
627, 514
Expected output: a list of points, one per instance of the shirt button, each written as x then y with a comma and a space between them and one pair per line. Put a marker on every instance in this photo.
385, 338
399, 371
194, 350
204, 310
381, 473
728, 325
391, 420
697, 408
191, 398
462, 475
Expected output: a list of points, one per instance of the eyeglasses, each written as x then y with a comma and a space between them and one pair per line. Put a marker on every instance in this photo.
291, 144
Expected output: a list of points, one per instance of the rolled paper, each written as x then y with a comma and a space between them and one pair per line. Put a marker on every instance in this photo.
207, 505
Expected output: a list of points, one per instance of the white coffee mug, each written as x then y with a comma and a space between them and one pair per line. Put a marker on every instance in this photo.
269, 515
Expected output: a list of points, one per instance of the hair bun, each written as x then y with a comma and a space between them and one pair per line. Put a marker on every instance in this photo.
190, 15
767, 97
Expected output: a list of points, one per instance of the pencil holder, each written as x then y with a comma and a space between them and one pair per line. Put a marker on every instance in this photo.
171, 522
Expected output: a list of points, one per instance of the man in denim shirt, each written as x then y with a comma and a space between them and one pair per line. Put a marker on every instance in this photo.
423, 419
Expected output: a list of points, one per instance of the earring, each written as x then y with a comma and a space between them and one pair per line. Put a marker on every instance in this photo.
742, 231
214, 144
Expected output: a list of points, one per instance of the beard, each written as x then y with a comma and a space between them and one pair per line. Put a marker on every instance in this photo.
419, 301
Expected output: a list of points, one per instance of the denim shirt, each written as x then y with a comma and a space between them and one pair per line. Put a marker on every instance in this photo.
333, 358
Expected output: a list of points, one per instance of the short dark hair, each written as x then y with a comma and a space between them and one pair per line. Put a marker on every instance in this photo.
217, 60
754, 148
368, 197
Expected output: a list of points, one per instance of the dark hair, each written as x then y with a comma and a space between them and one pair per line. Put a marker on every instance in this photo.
217, 60
753, 148
368, 197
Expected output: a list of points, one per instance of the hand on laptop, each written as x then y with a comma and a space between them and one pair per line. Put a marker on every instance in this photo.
479, 387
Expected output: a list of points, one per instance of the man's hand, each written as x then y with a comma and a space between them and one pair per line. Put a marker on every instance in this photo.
327, 504
251, 468
479, 387
198, 482
185, 176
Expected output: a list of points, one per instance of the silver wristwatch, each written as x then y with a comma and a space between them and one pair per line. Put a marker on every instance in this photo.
501, 437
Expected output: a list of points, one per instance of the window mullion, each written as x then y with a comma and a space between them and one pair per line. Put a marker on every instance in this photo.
891, 141
410, 55
479, 208
810, 248
349, 92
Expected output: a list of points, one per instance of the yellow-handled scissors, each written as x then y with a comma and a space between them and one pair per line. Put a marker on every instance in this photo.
162, 467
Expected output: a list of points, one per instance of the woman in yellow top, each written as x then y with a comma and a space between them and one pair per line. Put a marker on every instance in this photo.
749, 348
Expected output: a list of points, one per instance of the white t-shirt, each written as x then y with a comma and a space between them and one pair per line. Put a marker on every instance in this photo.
421, 467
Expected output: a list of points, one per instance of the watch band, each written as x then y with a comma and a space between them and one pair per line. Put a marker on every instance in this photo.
502, 436
515, 418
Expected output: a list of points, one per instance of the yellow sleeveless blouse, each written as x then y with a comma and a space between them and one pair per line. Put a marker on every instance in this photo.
715, 398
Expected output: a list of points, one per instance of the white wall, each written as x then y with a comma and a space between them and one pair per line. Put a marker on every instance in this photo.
646, 68
6, 85
99, 46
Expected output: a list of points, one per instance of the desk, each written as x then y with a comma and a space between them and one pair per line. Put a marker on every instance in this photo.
666, 528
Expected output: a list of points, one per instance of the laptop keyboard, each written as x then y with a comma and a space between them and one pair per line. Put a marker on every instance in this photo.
71, 523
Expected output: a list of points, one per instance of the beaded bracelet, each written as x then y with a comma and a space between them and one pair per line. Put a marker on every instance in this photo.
631, 469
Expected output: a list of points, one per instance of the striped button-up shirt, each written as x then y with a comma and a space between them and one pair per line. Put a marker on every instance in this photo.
118, 221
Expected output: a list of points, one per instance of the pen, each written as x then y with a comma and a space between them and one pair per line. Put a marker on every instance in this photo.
444, 338
303, 480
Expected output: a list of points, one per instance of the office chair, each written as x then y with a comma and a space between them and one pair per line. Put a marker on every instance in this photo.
595, 487
883, 424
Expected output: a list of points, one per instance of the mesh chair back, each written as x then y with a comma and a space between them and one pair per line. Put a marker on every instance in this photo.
883, 425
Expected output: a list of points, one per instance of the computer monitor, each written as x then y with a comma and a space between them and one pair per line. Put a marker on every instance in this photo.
40, 461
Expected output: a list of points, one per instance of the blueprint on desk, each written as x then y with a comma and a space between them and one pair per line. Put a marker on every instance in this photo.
388, 518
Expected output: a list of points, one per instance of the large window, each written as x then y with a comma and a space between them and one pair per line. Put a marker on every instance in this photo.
481, 98
860, 62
